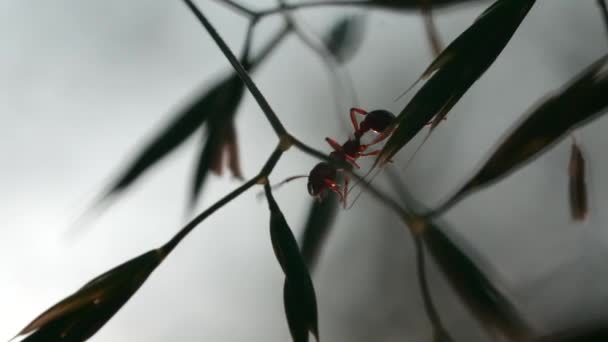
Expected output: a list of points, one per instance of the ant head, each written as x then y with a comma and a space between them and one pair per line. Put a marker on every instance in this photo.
319, 177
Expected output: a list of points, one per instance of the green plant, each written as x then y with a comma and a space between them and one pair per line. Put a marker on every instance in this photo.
79, 312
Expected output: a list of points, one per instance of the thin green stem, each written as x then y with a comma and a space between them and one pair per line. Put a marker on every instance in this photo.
320, 3
188, 228
604, 10
239, 8
271, 45
427, 298
255, 91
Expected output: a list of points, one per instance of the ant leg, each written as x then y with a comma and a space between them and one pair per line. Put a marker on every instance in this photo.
372, 153
334, 187
353, 119
334, 144
352, 160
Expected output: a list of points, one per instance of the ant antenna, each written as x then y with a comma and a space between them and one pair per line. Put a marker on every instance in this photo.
361, 192
408, 89
283, 182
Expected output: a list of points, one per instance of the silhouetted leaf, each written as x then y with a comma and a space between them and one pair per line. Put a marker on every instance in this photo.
173, 135
222, 112
590, 332
577, 185
79, 316
582, 101
481, 297
318, 224
455, 70
344, 38
299, 293
415, 4
486, 302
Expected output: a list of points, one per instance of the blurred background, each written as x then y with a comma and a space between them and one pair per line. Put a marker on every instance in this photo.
84, 86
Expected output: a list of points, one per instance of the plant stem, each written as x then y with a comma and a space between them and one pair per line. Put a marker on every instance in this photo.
239, 8
604, 10
276, 124
291, 7
182, 233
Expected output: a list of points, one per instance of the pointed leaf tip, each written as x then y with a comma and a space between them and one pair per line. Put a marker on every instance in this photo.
298, 292
456, 69
79, 316
580, 101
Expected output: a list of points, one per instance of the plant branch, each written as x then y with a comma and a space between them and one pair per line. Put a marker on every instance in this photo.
239, 8
414, 221
265, 171
604, 10
255, 91
291, 7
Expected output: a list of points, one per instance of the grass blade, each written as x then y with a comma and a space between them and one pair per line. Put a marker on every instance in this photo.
455, 70
222, 112
318, 225
485, 302
581, 101
415, 4
299, 294
81, 315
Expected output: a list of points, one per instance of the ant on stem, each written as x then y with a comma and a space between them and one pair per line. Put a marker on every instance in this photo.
324, 176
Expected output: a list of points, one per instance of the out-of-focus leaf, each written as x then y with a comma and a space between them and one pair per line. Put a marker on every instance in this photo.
591, 332
318, 224
344, 38
414, 4
223, 110
577, 184
481, 297
79, 316
431, 29
299, 293
455, 70
173, 135
580, 102
221, 135
486, 302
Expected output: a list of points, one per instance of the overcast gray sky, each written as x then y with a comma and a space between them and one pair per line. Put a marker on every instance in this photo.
84, 84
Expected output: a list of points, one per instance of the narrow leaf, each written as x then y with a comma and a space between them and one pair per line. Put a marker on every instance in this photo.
580, 102
299, 293
318, 225
344, 38
485, 302
588, 332
222, 112
81, 315
455, 70
577, 184
173, 135
414, 4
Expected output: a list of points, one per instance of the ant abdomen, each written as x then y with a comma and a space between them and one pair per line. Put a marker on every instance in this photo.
377, 120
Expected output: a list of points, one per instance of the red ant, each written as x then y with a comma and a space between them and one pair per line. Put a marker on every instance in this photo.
323, 176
